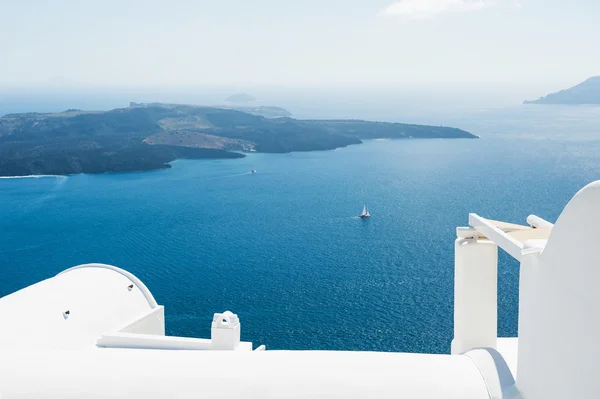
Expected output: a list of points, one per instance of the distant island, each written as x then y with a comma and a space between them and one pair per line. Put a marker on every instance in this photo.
240, 98
266, 111
149, 136
587, 92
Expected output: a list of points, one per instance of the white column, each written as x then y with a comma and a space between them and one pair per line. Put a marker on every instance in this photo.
475, 294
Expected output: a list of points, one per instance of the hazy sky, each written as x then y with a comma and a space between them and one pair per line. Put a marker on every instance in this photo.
307, 43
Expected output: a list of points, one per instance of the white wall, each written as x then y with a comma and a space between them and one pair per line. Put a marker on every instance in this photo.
98, 299
559, 307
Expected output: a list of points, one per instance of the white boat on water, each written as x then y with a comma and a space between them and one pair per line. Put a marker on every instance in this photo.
253, 171
365, 213
96, 331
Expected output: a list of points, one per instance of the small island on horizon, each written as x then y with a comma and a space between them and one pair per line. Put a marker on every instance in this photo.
240, 98
149, 136
585, 93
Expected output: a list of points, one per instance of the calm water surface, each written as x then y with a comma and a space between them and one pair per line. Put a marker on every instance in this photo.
284, 249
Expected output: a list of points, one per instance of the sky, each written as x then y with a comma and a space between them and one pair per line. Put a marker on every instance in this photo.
534, 46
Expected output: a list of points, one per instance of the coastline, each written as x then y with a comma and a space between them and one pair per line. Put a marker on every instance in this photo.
32, 176
242, 154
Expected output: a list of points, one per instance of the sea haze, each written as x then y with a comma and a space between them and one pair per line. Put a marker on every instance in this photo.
284, 248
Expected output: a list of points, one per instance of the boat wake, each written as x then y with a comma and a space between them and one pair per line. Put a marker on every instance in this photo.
61, 177
60, 181
48, 194
236, 175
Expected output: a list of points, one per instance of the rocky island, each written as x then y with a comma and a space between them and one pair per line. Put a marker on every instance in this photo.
587, 92
262, 110
149, 136
240, 98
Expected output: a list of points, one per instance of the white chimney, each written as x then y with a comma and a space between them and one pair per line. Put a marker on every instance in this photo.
225, 331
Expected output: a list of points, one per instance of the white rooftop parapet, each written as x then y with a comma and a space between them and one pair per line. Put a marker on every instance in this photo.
225, 331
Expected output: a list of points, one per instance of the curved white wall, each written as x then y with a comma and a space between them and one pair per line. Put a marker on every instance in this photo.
559, 317
99, 300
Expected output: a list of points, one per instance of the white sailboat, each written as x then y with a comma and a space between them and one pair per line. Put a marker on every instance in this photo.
365, 213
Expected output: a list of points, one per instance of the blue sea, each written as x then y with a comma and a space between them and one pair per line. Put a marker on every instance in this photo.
284, 248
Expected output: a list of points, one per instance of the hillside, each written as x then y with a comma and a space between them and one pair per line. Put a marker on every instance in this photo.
587, 92
149, 136
266, 111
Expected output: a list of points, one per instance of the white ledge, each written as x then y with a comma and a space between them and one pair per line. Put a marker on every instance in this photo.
147, 341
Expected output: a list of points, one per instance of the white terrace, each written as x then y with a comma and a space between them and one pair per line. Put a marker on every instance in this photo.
96, 331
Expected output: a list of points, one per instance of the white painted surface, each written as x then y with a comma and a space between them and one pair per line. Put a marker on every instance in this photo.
136, 281
98, 301
538, 222
138, 373
124, 340
225, 331
147, 341
152, 322
559, 307
509, 349
495, 372
475, 294
499, 237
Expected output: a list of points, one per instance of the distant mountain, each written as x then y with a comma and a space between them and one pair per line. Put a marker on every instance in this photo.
587, 92
240, 98
149, 136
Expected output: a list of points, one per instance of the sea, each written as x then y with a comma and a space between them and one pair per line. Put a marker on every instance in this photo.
284, 249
